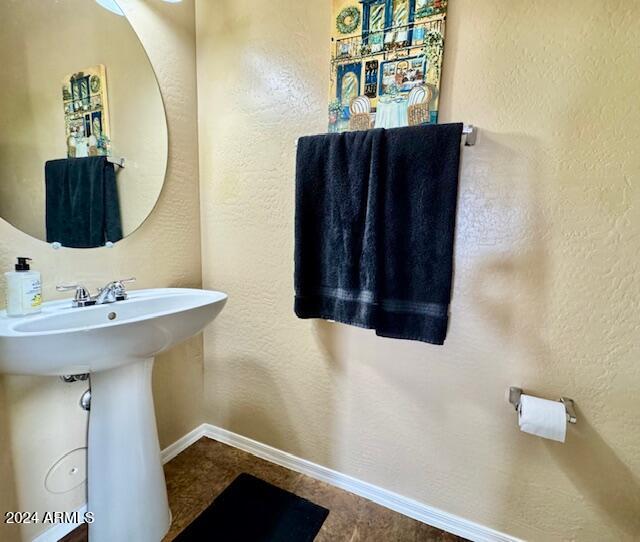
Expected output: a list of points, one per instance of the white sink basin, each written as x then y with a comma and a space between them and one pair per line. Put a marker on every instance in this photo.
64, 340
115, 343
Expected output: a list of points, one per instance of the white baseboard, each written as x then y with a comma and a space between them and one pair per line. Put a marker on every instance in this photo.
59, 530
182, 443
404, 505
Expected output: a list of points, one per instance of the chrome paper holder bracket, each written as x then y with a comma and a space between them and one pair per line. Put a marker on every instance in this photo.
569, 407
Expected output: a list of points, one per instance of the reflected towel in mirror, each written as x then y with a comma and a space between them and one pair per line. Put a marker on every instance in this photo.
82, 206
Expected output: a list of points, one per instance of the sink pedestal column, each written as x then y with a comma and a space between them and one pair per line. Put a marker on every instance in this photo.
127, 492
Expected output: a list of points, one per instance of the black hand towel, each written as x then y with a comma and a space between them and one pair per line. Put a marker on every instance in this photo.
336, 212
375, 220
82, 206
416, 264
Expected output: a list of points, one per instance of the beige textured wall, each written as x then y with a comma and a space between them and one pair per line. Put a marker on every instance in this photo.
39, 417
546, 287
38, 47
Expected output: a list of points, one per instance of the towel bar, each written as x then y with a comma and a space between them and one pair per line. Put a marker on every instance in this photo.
569, 407
469, 131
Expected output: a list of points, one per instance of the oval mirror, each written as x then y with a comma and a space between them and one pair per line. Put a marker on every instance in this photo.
83, 132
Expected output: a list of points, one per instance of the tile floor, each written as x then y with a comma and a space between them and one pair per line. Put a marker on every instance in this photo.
198, 474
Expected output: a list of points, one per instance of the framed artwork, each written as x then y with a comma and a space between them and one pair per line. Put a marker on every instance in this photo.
398, 48
86, 113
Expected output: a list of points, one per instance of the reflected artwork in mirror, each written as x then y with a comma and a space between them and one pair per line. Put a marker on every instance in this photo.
78, 101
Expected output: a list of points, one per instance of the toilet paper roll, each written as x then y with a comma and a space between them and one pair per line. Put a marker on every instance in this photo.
541, 417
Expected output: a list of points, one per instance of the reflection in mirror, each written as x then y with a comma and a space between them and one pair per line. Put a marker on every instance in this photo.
77, 93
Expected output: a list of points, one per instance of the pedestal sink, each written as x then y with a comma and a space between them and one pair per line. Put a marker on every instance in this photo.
116, 343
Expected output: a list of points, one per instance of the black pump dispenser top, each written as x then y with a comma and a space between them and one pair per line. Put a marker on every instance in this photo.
23, 264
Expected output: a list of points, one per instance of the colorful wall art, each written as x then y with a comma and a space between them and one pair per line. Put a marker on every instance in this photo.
386, 61
86, 113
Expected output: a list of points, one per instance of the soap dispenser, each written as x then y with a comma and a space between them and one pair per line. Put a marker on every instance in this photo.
24, 290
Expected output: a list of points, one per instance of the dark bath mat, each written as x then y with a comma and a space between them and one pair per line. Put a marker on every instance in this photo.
252, 510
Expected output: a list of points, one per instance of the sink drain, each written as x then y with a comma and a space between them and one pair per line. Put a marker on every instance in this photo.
112, 316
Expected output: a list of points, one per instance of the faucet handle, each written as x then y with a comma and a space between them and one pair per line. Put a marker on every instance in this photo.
117, 284
119, 289
67, 287
82, 297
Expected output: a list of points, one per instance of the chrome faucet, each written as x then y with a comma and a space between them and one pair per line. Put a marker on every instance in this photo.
112, 292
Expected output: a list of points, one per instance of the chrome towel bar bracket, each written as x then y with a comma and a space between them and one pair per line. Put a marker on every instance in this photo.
569, 407
471, 134
116, 161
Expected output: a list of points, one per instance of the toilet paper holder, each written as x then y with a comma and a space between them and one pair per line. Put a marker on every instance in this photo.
514, 399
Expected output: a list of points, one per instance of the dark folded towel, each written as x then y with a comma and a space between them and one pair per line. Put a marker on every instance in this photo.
336, 213
375, 220
82, 206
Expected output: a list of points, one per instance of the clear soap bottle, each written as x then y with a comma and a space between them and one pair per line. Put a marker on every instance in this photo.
24, 290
